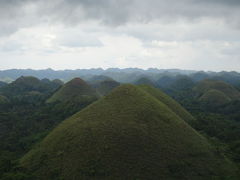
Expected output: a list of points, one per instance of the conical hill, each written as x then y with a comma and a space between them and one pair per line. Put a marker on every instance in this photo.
129, 134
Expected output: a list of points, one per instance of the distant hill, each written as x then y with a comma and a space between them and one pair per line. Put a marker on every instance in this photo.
144, 81
120, 75
182, 83
102, 84
76, 90
58, 81
214, 98
199, 76
165, 81
28, 89
129, 134
127, 75
105, 87
97, 79
214, 93
206, 85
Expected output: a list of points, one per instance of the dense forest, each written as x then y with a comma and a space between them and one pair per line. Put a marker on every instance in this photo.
100, 127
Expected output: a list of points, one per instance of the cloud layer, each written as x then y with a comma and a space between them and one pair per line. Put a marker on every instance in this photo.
189, 34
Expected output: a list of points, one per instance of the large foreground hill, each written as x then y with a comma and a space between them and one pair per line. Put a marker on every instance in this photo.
129, 134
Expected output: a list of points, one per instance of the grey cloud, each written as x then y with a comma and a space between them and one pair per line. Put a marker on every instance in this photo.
78, 40
15, 14
115, 12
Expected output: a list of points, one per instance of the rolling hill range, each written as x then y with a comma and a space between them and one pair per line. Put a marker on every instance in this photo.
129, 134
26, 84
76, 90
28, 89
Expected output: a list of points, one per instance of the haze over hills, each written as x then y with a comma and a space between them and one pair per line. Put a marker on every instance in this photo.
126, 135
128, 75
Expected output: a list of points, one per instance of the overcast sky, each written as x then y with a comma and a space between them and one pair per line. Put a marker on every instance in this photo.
76, 34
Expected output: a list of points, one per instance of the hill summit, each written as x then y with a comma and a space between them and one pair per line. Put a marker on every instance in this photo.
128, 134
74, 90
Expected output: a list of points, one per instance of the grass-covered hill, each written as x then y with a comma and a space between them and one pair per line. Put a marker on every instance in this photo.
21, 85
214, 93
76, 90
98, 78
171, 103
129, 134
28, 89
228, 90
144, 81
105, 87
214, 98
25, 84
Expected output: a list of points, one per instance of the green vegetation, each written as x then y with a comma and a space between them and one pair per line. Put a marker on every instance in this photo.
129, 134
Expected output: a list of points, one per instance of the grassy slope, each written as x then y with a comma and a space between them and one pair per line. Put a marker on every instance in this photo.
74, 90
128, 134
171, 103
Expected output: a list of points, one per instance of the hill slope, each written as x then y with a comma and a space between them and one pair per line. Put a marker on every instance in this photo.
74, 90
171, 103
105, 87
128, 134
